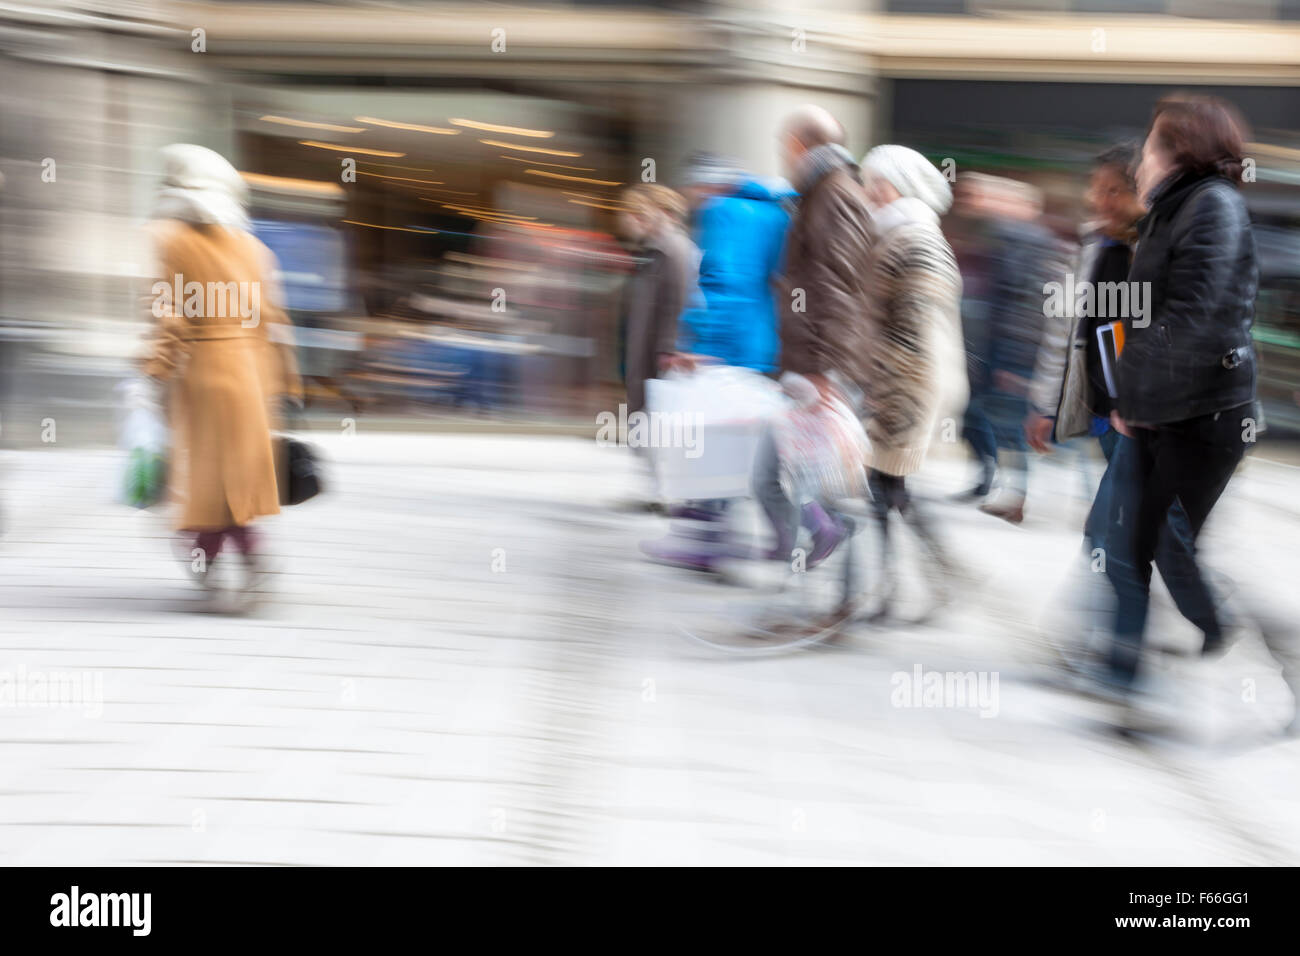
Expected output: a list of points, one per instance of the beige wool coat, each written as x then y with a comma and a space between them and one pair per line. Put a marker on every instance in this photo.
225, 367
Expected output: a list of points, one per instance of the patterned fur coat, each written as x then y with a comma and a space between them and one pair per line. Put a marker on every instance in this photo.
916, 360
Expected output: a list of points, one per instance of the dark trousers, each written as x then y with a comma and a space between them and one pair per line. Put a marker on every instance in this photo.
978, 431
889, 493
1187, 463
210, 542
1175, 556
1094, 529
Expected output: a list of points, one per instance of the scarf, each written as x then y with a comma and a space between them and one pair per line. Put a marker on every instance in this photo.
820, 160
903, 210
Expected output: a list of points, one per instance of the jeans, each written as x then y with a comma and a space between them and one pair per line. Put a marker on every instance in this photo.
994, 426
1186, 464
978, 431
1175, 556
1094, 529
780, 510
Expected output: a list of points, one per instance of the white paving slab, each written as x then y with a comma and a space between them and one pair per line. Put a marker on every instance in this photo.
465, 660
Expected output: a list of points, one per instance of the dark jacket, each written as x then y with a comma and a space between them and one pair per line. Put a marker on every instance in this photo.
653, 298
1006, 326
824, 323
1193, 356
1026, 259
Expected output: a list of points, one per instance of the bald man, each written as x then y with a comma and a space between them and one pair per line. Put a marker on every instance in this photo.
824, 316
824, 309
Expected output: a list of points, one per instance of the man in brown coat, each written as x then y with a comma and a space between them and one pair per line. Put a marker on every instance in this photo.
824, 323
824, 308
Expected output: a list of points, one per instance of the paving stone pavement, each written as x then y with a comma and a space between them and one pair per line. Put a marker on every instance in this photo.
464, 660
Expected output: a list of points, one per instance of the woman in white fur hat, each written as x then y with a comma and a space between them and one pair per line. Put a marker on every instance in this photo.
214, 304
916, 361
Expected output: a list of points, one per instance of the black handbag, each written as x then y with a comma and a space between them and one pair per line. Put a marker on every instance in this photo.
301, 479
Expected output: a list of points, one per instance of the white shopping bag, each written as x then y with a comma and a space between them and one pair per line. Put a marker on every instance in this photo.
703, 429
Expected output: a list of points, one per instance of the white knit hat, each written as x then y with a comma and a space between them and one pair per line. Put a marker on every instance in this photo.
911, 174
200, 186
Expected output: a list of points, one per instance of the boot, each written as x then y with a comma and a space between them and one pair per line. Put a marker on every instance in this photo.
695, 545
826, 531
982, 488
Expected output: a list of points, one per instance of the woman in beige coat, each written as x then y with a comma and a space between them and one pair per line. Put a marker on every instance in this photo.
220, 351
916, 360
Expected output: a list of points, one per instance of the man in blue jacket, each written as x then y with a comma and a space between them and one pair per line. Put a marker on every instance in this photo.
739, 225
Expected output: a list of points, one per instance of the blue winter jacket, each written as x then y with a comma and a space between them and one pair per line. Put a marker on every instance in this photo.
741, 236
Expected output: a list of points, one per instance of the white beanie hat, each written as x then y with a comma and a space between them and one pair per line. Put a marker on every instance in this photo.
200, 186
911, 174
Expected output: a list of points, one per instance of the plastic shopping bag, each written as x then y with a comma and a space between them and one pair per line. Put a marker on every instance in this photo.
822, 445
144, 437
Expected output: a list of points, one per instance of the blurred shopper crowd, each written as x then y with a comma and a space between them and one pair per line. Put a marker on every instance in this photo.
837, 287
650, 430
1147, 351
856, 308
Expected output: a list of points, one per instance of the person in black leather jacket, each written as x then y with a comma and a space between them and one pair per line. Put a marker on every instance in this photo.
1186, 375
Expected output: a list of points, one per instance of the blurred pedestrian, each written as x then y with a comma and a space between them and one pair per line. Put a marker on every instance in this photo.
824, 324
1187, 374
661, 286
1070, 395
916, 364
1003, 339
216, 352
739, 226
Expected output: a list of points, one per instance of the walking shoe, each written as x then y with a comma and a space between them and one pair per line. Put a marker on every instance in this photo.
697, 540
256, 581
777, 553
688, 513
838, 621
1012, 511
827, 533
1099, 682
203, 579
1231, 621
1221, 643
977, 493
675, 552
981, 490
